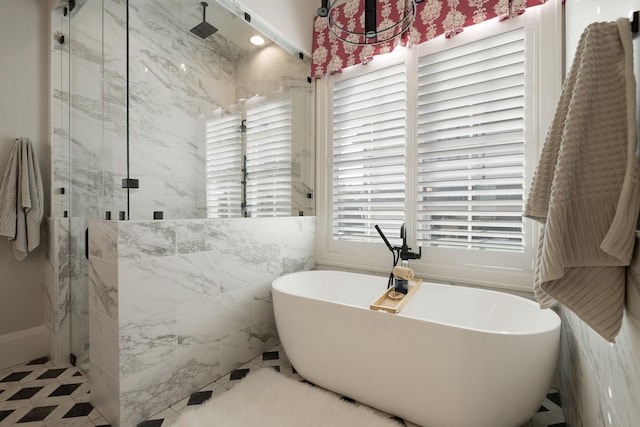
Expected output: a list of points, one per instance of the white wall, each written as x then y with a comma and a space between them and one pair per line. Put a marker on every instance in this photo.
24, 109
600, 381
291, 19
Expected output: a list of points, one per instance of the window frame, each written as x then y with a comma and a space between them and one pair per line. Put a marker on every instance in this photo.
514, 271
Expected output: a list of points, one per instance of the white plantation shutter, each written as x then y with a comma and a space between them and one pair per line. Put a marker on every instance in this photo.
369, 149
269, 130
224, 167
471, 145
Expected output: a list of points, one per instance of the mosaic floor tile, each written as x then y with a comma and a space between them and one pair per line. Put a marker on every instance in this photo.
238, 374
38, 413
26, 393
51, 373
5, 414
15, 376
40, 361
65, 389
199, 397
79, 410
271, 355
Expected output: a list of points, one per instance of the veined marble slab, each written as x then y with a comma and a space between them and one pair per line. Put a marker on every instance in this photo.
190, 299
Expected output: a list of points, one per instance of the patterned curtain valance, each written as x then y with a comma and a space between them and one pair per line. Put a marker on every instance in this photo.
433, 18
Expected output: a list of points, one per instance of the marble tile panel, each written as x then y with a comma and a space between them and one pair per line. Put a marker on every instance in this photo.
263, 335
263, 308
79, 313
103, 240
87, 31
147, 341
78, 263
104, 349
203, 355
605, 373
145, 239
233, 275
270, 245
236, 349
63, 323
103, 277
162, 387
57, 288
197, 235
51, 277
214, 317
160, 284
175, 198
105, 394
618, 374
62, 254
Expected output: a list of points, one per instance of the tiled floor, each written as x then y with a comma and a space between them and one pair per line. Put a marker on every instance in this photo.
39, 394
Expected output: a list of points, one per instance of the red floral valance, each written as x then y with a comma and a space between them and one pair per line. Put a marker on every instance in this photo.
433, 18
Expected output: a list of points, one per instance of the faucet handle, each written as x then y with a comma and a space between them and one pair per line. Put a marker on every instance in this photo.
407, 254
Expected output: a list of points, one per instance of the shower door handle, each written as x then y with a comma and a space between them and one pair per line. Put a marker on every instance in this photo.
86, 243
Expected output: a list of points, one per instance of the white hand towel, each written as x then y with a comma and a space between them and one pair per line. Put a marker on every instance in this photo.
21, 200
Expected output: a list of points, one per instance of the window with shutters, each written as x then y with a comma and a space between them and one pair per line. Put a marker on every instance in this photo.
369, 149
471, 122
442, 137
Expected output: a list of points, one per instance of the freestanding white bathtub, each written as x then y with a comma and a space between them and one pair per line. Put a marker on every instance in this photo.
454, 356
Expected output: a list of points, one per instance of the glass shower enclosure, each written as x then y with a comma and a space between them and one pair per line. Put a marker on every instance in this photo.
139, 101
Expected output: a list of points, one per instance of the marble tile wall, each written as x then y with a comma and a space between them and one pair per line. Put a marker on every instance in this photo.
600, 382
176, 81
175, 304
57, 280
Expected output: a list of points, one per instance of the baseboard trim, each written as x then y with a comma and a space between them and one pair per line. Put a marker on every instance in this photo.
22, 346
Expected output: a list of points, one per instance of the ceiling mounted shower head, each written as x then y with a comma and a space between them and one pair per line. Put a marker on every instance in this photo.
204, 29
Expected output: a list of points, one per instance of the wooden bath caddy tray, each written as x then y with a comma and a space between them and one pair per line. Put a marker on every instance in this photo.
394, 305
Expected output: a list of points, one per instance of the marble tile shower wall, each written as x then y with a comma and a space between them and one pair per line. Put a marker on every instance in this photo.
175, 304
175, 78
600, 382
176, 82
57, 290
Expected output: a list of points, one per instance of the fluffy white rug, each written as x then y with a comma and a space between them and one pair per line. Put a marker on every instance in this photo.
266, 398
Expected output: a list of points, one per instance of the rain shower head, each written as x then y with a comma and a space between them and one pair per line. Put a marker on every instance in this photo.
204, 29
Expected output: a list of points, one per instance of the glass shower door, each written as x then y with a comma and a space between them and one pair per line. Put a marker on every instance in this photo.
97, 143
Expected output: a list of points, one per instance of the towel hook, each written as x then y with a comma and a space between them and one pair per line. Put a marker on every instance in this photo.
635, 22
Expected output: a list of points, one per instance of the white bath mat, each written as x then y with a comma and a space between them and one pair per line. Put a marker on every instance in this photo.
266, 398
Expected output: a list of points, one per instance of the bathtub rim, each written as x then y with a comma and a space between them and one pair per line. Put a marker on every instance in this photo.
555, 321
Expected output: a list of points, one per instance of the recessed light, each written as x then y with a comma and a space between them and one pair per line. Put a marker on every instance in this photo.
256, 40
